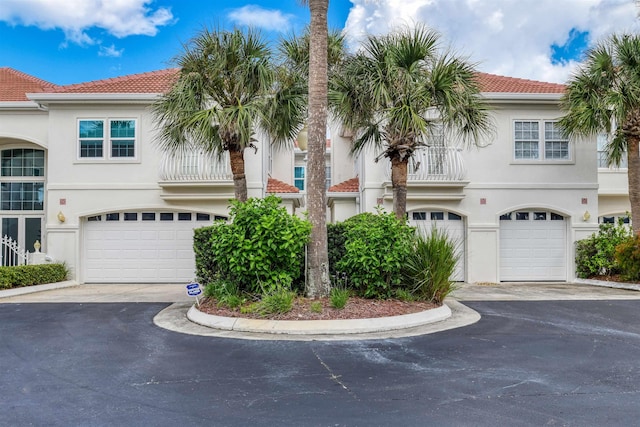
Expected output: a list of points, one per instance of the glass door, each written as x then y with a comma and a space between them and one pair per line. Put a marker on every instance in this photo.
23, 229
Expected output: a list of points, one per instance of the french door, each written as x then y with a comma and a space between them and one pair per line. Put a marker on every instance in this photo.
24, 229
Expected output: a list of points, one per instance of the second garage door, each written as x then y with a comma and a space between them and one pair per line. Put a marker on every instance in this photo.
533, 246
449, 222
141, 247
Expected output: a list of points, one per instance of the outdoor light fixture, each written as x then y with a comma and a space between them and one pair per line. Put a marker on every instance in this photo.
586, 216
61, 217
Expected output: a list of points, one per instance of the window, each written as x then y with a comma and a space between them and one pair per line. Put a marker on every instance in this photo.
21, 196
327, 172
184, 216
437, 216
130, 216
22, 184
602, 154
531, 144
298, 177
121, 138
91, 134
23, 162
419, 216
123, 133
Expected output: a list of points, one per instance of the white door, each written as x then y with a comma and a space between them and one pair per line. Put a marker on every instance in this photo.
449, 222
141, 247
533, 246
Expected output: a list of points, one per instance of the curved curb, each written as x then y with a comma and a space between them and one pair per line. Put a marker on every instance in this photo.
320, 327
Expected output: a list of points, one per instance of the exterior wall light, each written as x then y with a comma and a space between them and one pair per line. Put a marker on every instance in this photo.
61, 217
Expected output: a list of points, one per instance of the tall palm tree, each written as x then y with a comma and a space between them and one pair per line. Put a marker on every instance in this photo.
388, 94
604, 96
218, 99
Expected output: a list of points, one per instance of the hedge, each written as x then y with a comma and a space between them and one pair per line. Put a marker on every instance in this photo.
29, 275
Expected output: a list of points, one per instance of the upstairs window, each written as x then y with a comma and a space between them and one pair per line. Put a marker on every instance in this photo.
115, 137
532, 144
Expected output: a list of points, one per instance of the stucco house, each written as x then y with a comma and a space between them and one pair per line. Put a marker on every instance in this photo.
81, 173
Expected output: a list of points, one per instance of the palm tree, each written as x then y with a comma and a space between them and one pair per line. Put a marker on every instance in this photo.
604, 96
390, 92
217, 101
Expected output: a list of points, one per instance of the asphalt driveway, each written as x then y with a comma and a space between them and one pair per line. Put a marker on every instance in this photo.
523, 363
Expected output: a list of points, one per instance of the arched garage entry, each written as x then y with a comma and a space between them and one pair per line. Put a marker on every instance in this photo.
533, 246
146, 246
451, 223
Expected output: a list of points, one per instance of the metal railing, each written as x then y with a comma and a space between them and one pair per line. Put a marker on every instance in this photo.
194, 166
12, 254
436, 164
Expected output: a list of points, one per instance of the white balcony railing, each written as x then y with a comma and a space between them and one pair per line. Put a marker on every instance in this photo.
194, 167
436, 164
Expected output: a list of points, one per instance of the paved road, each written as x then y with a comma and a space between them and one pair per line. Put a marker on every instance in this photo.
524, 363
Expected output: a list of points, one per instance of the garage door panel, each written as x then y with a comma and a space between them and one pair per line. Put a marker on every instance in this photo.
455, 229
532, 250
139, 251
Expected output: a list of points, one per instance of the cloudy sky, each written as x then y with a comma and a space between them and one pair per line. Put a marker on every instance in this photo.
71, 41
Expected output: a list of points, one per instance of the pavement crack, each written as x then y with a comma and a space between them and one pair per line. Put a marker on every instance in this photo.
333, 376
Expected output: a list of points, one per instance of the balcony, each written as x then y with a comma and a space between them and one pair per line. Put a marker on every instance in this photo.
435, 173
195, 176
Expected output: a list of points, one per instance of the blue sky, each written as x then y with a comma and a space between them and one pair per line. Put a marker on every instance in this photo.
73, 41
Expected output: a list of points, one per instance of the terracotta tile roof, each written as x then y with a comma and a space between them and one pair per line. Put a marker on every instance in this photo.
276, 186
494, 83
349, 186
14, 84
152, 82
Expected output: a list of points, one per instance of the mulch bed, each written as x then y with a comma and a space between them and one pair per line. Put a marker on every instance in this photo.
356, 308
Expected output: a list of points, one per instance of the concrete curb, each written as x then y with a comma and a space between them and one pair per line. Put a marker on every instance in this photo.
320, 327
607, 284
6, 293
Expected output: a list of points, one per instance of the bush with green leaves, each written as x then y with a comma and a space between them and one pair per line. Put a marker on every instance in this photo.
627, 256
428, 268
29, 275
262, 248
336, 237
206, 266
376, 246
595, 255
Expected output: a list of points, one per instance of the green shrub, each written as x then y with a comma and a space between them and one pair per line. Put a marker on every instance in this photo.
596, 255
338, 297
428, 269
279, 301
376, 246
336, 238
627, 256
315, 307
29, 275
206, 267
261, 249
225, 292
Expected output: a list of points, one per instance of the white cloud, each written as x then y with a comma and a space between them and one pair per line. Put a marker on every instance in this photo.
508, 37
120, 18
110, 51
255, 16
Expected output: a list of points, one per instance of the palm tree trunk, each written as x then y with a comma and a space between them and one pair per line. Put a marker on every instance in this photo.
633, 172
399, 183
236, 158
318, 283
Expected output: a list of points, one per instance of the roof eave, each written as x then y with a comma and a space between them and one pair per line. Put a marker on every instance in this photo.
519, 97
19, 105
89, 98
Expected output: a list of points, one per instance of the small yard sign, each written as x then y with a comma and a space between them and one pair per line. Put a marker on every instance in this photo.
193, 290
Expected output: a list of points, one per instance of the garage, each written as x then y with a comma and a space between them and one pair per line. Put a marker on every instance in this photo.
533, 246
141, 246
449, 222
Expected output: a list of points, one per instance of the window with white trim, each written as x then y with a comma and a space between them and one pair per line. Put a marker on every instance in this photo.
115, 137
532, 144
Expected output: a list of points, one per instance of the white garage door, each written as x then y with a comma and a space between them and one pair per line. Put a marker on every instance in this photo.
141, 247
449, 222
533, 246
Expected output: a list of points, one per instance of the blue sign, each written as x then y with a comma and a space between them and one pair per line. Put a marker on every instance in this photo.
193, 289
